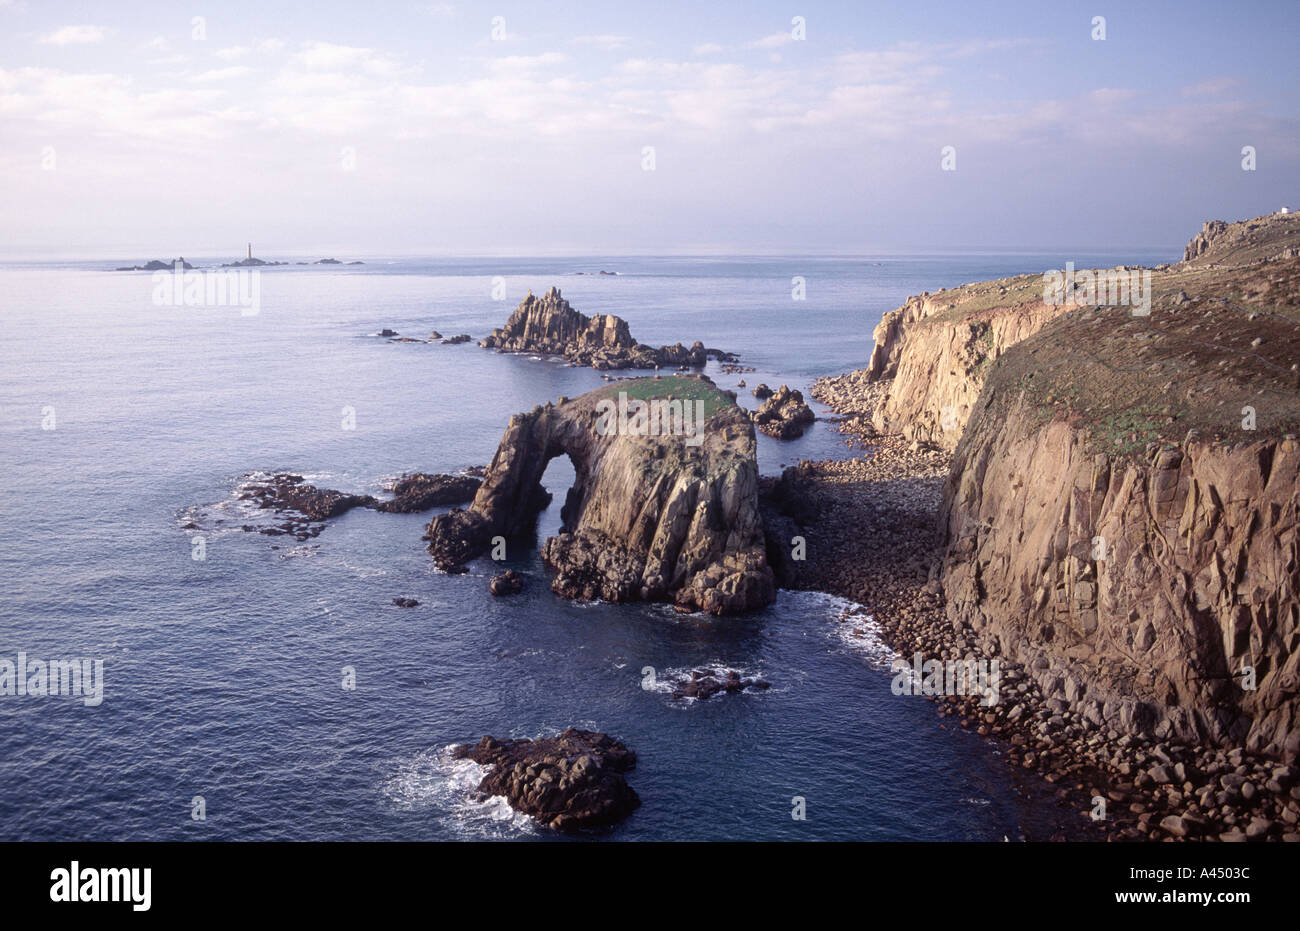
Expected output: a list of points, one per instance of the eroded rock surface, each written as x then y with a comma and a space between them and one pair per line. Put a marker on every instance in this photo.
550, 326
784, 415
572, 781
667, 517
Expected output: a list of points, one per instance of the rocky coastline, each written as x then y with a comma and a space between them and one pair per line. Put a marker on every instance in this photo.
1125, 601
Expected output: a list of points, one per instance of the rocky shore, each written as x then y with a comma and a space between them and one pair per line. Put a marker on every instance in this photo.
1069, 490
874, 537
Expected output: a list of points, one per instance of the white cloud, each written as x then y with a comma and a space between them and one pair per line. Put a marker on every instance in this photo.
222, 74
607, 42
75, 35
776, 40
706, 48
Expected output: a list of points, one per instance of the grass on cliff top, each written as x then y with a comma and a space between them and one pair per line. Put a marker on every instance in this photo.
1220, 365
678, 387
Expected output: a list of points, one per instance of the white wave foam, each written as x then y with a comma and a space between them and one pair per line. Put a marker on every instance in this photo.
432, 781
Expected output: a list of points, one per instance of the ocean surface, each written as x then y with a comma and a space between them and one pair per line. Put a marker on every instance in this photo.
122, 421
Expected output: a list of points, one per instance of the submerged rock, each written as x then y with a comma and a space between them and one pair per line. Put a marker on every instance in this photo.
705, 683
567, 782
406, 602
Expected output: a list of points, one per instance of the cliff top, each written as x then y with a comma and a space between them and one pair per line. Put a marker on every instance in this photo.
1218, 354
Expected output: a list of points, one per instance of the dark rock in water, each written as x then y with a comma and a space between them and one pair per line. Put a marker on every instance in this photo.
387, 332
568, 782
762, 392
784, 415
406, 602
286, 492
550, 326
509, 582
658, 517
157, 266
434, 336
417, 491
289, 493
357, 263
457, 340
705, 683
328, 262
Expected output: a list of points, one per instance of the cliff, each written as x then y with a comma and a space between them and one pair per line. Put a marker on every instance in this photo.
665, 512
933, 353
550, 326
1121, 511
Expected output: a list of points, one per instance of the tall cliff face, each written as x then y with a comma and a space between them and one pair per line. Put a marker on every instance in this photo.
935, 349
550, 326
654, 517
1122, 511
1150, 593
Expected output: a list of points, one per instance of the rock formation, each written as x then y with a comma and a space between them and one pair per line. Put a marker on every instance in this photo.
784, 415
653, 515
550, 326
703, 684
509, 582
569, 782
305, 505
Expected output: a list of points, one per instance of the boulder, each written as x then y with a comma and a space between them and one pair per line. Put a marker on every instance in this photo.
568, 782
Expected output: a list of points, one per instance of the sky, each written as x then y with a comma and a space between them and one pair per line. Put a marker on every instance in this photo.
500, 128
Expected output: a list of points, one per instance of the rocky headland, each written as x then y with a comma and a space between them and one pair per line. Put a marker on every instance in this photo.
1108, 504
652, 515
548, 325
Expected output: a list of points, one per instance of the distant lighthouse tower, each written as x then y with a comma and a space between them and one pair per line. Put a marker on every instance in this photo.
250, 250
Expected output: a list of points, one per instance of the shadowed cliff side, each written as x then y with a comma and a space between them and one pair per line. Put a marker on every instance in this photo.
653, 515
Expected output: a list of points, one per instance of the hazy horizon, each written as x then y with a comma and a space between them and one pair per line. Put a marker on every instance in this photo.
460, 130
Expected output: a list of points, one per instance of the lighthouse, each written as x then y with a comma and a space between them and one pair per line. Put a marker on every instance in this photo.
250, 250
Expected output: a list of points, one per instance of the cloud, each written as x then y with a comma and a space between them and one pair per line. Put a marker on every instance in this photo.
222, 74
775, 40
75, 35
604, 42
1214, 87
706, 48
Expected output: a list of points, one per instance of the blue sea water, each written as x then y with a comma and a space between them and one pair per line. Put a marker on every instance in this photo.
223, 676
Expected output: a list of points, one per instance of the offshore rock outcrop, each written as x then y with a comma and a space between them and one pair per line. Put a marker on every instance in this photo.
306, 507
572, 781
550, 326
651, 516
784, 414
